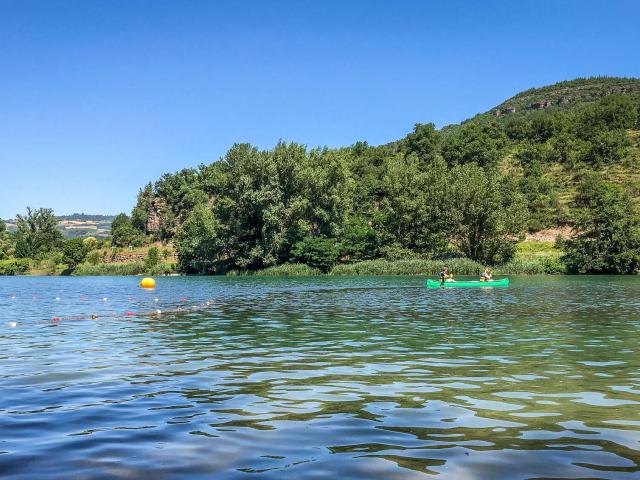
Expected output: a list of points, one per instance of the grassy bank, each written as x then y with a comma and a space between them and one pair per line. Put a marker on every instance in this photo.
460, 266
284, 270
125, 268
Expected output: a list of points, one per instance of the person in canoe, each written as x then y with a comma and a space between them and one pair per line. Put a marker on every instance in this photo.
486, 275
445, 276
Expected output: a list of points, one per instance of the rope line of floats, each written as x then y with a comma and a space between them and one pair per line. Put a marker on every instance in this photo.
146, 283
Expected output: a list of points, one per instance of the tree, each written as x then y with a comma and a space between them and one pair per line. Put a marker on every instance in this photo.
359, 241
201, 243
542, 199
141, 210
6, 242
153, 258
123, 233
74, 252
317, 252
489, 216
474, 143
37, 233
606, 230
607, 147
414, 211
424, 142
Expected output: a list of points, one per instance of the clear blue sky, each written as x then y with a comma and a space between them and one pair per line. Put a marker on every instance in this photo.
99, 97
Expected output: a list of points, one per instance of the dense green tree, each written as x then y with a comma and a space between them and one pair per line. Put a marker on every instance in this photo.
530, 153
607, 147
489, 215
140, 212
359, 240
203, 245
123, 233
478, 143
317, 252
152, 259
612, 112
606, 230
7, 243
542, 199
424, 142
37, 234
414, 211
74, 252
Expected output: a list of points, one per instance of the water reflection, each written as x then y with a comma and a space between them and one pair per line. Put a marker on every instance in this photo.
328, 377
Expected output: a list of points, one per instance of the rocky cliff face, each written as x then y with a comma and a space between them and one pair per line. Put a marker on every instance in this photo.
154, 216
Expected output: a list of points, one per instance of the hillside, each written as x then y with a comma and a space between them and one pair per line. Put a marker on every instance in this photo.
78, 225
566, 95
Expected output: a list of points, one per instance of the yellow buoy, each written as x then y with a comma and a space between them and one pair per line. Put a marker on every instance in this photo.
147, 282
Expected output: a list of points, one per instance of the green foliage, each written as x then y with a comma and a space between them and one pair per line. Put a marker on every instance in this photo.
140, 212
284, 270
128, 268
37, 235
424, 142
50, 263
469, 189
479, 143
459, 266
93, 257
91, 243
607, 238
607, 147
542, 199
415, 210
201, 242
153, 258
124, 234
74, 252
15, 266
532, 266
317, 252
7, 242
359, 240
490, 215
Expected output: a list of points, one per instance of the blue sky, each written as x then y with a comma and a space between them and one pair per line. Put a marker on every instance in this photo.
99, 97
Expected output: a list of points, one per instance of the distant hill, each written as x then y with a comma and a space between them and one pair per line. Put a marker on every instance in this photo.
565, 95
85, 217
76, 225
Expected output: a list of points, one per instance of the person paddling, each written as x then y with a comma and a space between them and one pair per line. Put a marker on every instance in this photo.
486, 275
445, 276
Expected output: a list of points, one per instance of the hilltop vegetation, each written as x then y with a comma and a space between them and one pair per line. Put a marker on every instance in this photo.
567, 95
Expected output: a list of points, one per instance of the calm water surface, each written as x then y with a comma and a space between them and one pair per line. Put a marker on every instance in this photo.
319, 378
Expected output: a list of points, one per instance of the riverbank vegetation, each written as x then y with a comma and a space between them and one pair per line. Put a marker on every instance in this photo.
465, 195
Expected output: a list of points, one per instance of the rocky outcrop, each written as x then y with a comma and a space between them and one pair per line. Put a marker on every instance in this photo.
154, 216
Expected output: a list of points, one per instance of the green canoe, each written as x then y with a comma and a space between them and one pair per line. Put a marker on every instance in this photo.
503, 282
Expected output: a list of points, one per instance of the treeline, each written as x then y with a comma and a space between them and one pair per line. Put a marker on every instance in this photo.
471, 190
39, 246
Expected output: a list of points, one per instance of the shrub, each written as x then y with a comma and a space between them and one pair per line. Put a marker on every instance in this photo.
317, 252
153, 258
15, 266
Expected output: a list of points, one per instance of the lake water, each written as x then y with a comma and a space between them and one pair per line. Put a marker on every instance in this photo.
319, 378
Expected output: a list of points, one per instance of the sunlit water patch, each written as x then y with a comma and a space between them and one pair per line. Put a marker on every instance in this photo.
319, 378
